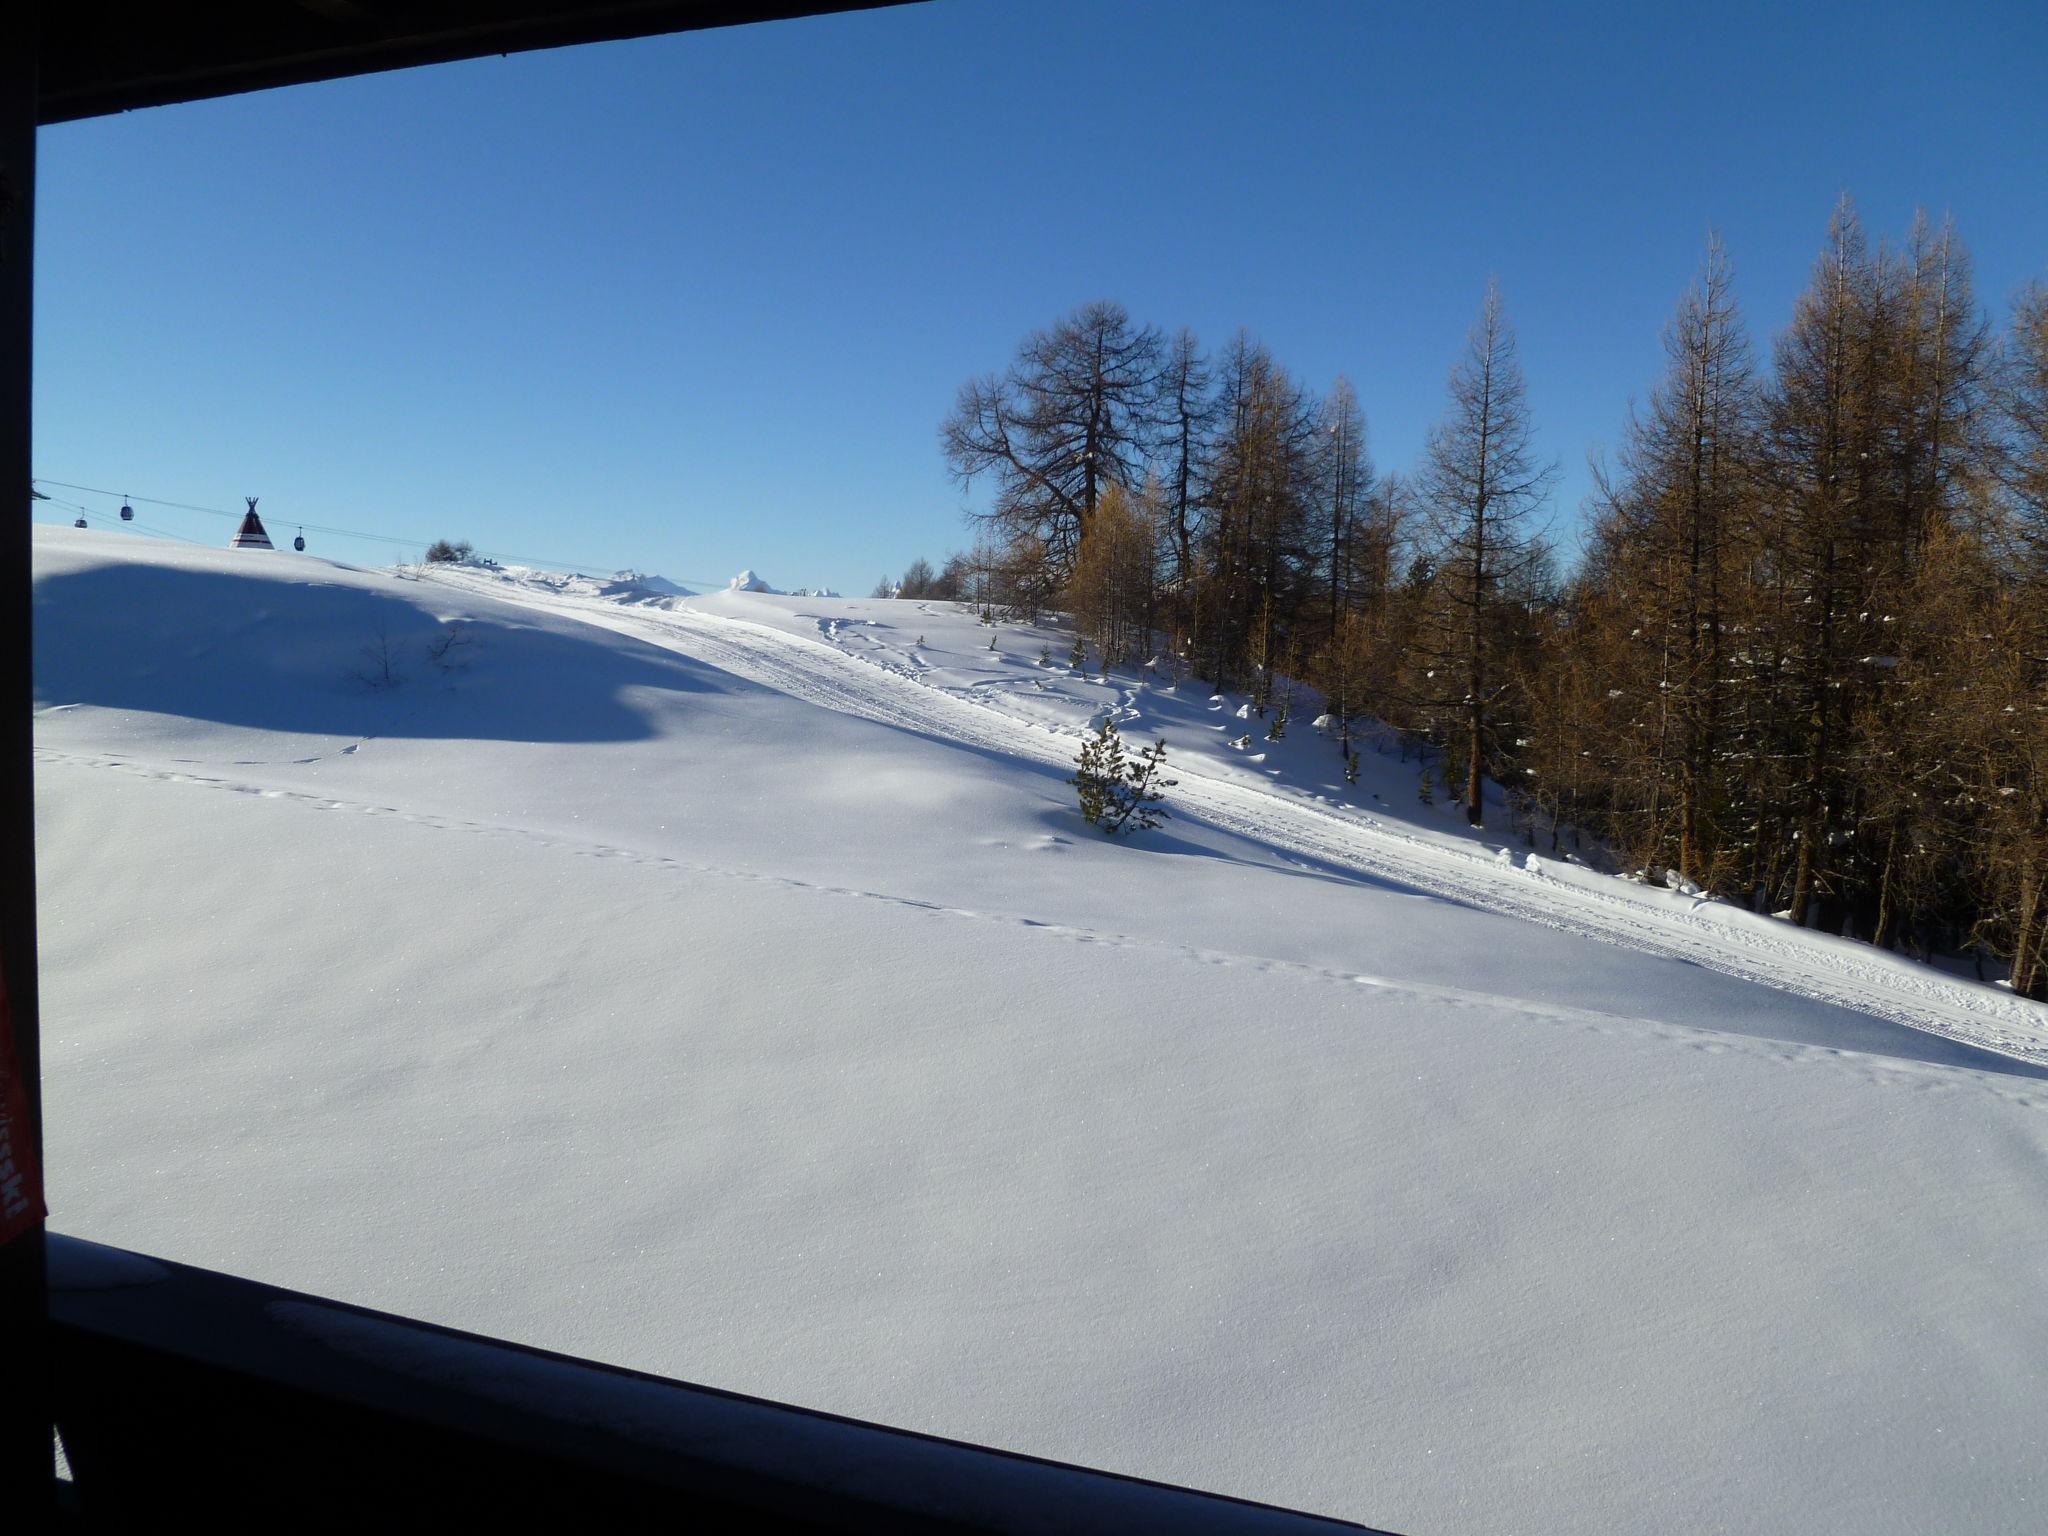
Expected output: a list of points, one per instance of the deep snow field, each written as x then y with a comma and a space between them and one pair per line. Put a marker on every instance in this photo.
727, 987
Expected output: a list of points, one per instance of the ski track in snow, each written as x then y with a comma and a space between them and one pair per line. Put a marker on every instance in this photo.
1926, 1077
821, 672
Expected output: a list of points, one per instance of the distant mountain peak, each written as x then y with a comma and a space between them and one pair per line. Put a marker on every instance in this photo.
651, 583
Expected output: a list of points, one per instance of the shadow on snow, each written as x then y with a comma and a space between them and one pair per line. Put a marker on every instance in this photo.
311, 658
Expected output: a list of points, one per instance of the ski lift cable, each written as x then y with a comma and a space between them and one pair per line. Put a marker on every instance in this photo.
164, 533
575, 567
96, 519
190, 506
128, 525
155, 501
572, 567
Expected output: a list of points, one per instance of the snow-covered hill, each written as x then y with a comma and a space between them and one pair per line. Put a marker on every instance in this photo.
727, 987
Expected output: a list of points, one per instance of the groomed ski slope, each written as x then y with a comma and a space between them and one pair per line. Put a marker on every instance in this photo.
726, 987
864, 666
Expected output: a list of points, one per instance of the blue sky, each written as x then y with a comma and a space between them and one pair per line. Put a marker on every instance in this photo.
699, 302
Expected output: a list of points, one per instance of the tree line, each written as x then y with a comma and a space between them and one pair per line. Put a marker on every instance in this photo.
1800, 660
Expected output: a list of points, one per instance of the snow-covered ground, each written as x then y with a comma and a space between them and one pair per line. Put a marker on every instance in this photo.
727, 987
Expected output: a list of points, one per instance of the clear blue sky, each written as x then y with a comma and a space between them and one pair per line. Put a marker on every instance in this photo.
699, 302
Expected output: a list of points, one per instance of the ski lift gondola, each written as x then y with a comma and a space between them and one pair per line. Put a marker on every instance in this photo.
79, 524
299, 543
127, 512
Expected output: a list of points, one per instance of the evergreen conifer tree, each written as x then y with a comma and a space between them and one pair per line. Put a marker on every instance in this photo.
1117, 794
1146, 786
1098, 771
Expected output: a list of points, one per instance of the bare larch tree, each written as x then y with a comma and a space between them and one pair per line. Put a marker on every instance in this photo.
1073, 414
1481, 484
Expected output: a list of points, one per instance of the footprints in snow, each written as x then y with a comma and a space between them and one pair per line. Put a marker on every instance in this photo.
1915, 1076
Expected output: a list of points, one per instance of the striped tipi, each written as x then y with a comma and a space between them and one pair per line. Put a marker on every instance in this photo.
250, 535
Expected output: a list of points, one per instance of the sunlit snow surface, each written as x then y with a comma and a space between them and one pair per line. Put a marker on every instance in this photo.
726, 987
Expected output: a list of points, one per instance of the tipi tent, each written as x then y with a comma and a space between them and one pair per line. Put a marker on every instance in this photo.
250, 535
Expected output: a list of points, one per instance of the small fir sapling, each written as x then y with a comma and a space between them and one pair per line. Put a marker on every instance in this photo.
1116, 793
1148, 785
1098, 771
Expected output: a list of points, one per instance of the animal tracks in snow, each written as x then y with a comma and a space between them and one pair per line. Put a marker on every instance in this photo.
1888, 1071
